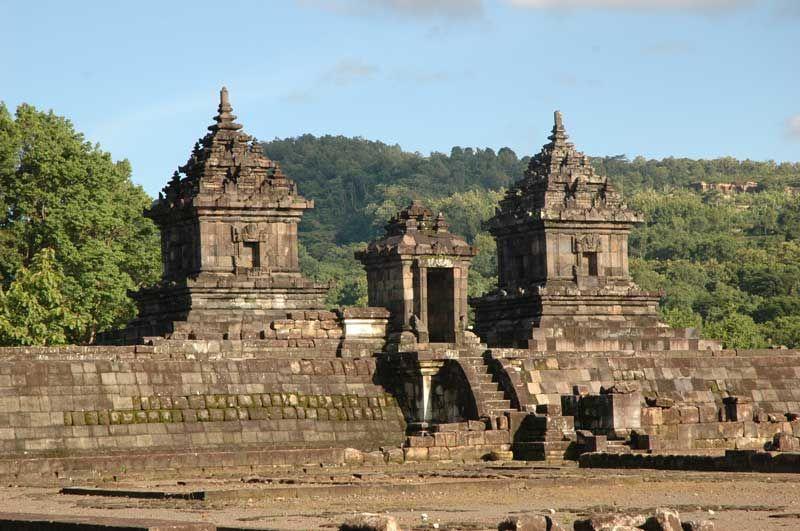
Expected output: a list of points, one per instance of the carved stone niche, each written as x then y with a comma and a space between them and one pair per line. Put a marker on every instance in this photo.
251, 243
587, 248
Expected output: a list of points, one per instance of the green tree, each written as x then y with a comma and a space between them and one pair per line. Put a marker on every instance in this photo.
784, 330
682, 317
735, 331
34, 310
60, 192
348, 281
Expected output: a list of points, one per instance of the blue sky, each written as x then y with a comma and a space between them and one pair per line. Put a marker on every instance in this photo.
694, 78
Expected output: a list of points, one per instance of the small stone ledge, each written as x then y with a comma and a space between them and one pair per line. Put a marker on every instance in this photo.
46, 522
732, 461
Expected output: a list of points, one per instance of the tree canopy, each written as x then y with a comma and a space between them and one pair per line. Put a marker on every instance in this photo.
69, 213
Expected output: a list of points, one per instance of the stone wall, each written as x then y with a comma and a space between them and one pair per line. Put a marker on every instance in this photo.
188, 396
694, 400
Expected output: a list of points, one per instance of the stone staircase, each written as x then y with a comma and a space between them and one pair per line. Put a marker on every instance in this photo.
546, 435
490, 398
617, 447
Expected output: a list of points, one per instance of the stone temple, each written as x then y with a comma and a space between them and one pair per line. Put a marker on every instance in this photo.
235, 363
418, 271
228, 222
562, 252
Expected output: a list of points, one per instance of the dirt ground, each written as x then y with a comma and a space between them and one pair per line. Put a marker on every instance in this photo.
469, 498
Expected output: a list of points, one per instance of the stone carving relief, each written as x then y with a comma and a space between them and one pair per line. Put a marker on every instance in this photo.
586, 243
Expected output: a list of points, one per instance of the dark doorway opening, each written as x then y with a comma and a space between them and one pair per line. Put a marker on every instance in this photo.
252, 255
441, 312
591, 263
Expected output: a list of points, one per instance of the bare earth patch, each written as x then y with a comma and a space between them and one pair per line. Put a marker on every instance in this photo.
469, 498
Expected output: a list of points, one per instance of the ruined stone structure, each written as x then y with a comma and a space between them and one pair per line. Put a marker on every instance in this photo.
562, 251
233, 360
234, 363
228, 222
418, 271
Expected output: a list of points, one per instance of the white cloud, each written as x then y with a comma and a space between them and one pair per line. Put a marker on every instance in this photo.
343, 74
347, 71
452, 9
793, 127
687, 5
787, 8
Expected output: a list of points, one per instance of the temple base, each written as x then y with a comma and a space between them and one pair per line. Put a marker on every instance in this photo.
587, 322
223, 308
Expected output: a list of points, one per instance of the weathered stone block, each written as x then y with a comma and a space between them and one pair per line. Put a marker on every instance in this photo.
415, 454
370, 522
738, 408
609, 521
689, 414
419, 441
698, 525
476, 425
785, 442
644, 441
444, 439
652, 416
527, 523
664, 520
497, 437
671, 415
707, 413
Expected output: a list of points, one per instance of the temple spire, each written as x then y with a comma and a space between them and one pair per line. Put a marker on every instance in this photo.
559, 135
225, 118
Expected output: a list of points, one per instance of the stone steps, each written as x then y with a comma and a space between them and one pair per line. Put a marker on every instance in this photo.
486, 390
484, 378
543, 450
617, 447
545, 435
502, 404
492, 395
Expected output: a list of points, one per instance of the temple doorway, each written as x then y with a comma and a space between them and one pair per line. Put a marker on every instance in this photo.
441, 313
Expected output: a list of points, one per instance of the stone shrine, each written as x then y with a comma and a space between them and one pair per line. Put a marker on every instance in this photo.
418, 271
562, 253
228, 222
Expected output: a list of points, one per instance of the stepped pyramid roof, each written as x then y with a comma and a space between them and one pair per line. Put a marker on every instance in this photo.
227, 164
561, 184
415, 230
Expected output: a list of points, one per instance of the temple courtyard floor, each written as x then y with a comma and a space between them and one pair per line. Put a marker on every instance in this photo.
467, 497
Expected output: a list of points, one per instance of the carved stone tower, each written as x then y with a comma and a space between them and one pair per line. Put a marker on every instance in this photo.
418, 270
228, 222
562, 250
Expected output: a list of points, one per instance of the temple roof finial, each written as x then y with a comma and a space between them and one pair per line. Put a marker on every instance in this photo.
559, 134
225, 118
